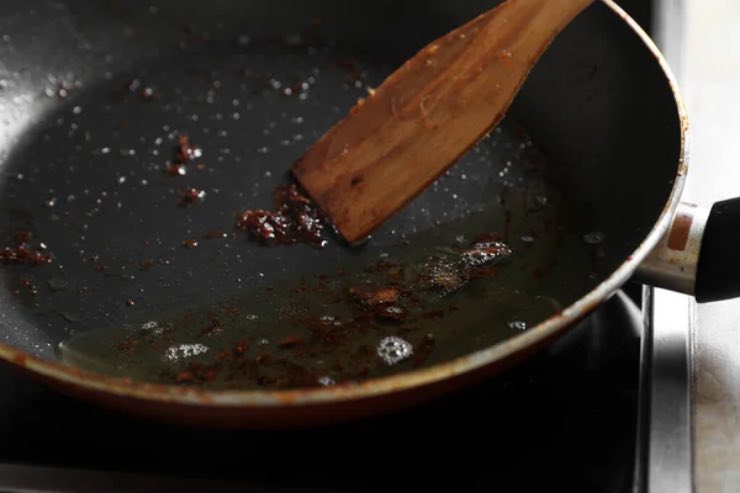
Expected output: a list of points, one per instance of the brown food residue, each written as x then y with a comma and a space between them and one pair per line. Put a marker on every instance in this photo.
184, 154
295, 220
142, 91
147, 93
389, 303
176, 169
241, 347
352, 69
190, 243
216, 235
23, 253
372, 297
191, 195
291, 341
26, 285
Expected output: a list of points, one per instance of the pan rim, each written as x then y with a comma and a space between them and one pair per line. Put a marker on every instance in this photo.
377, 387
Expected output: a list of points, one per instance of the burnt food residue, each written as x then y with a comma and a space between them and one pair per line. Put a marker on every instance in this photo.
295, 220
24, 252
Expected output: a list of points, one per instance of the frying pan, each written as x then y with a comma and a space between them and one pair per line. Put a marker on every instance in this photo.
94, 94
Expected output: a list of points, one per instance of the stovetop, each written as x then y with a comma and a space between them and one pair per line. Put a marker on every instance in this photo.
564, 420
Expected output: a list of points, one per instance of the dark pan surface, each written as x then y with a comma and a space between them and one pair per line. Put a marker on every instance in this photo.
112, 217
84, 157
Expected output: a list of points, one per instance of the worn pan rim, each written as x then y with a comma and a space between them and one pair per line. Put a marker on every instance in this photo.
124, 387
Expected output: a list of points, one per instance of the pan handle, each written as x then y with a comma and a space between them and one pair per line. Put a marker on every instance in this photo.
700, 253
718, 273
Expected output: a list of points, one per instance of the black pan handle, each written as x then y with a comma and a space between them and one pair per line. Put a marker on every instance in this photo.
718, 268
700, 253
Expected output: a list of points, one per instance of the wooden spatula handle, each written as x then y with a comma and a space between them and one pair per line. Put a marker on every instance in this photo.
428, 113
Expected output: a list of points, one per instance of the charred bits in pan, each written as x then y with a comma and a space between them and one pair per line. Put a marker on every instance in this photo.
327, 329
295, 220
184, 153
24, 253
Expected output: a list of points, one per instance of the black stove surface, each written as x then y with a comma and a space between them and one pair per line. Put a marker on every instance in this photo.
563, 421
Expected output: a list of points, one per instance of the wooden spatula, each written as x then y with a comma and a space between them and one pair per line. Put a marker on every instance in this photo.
427, 114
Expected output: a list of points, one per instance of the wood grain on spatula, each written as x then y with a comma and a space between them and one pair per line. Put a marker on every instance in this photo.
427, 114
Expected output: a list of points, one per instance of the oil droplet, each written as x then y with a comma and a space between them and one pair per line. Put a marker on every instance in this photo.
326, 381
519, 325
484, 253
392, 350
182, 351
153, 327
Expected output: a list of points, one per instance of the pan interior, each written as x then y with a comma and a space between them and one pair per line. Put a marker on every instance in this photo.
124, 296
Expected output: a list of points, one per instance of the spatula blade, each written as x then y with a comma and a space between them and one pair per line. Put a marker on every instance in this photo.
427, 114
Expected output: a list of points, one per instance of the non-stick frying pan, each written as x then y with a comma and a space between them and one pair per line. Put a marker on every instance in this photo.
581, 182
